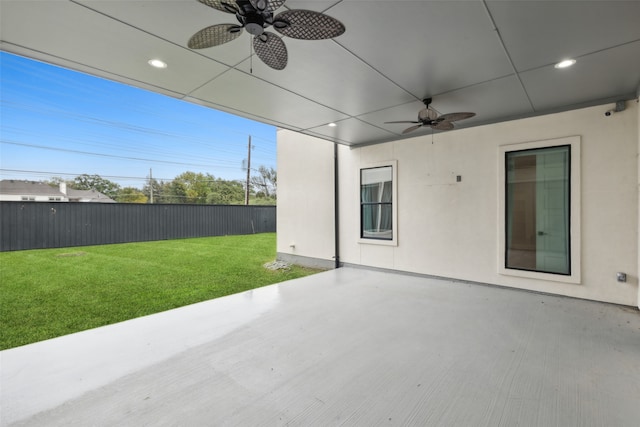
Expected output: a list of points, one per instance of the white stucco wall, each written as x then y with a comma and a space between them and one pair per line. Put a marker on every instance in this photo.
451, 229
305, 211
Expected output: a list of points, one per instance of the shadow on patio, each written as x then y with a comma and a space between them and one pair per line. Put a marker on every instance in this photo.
343, 347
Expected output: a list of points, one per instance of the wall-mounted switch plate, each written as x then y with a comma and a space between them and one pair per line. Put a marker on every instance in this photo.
622, 277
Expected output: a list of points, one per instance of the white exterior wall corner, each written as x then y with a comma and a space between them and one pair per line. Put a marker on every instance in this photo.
450, 229
305, 209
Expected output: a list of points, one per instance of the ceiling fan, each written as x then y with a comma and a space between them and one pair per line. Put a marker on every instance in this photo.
256, 16
429, 117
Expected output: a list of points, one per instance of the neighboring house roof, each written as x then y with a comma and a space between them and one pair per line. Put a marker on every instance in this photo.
28, 188
87, 196
13, 189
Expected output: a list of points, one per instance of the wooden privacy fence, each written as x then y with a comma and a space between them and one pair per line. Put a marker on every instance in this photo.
40, 225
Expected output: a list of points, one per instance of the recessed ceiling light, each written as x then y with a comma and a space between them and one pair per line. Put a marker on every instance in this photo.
332, 125
157, 63
566, 63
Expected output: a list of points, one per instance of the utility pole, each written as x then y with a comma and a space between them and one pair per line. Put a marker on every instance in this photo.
246, 194
150, 186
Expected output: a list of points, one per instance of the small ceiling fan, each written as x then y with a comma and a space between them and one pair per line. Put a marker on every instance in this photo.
256, 16
429, 117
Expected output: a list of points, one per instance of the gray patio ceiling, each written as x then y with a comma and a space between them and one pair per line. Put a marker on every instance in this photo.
495, 58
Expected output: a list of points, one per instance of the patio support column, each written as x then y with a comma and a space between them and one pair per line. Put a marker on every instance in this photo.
336, 204
638, 165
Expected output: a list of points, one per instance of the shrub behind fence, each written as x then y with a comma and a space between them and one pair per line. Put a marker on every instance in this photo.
40, 225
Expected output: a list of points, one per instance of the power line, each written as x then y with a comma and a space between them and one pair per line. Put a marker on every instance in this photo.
31, 79
130, 178
66, 150
58, 113
67, 174
130, 143
80, 114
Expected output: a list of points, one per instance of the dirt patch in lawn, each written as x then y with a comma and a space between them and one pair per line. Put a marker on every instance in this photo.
71, 254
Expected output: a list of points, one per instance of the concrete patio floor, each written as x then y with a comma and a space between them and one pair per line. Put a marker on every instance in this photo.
343, 347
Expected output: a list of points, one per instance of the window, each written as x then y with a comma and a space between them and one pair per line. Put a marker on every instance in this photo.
376, 203
538, 210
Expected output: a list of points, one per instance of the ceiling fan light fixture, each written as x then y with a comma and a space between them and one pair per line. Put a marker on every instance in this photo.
157, 63
565, 63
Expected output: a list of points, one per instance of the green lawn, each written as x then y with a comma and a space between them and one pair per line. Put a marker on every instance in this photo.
51, 292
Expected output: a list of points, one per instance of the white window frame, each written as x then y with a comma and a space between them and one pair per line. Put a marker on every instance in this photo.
394, 204
575, 213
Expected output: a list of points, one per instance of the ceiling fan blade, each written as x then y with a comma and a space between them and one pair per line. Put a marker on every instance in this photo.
404, 121
268, 5
307, 25
427, 113
452, 117
271, 50
214, 36
228, 6
444, 125
412, 128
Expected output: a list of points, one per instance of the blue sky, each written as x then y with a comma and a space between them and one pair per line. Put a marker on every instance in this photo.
58, 122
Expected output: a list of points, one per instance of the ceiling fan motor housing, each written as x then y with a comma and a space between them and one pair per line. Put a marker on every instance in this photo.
254, 20
254, 24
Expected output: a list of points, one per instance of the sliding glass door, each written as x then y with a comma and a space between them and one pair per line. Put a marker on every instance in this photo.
538, 210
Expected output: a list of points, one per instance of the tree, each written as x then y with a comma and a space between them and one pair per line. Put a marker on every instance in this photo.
265, 183
160, 189
226, 193
190, 187
197, 188
131, 195
55, 181
96, 182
